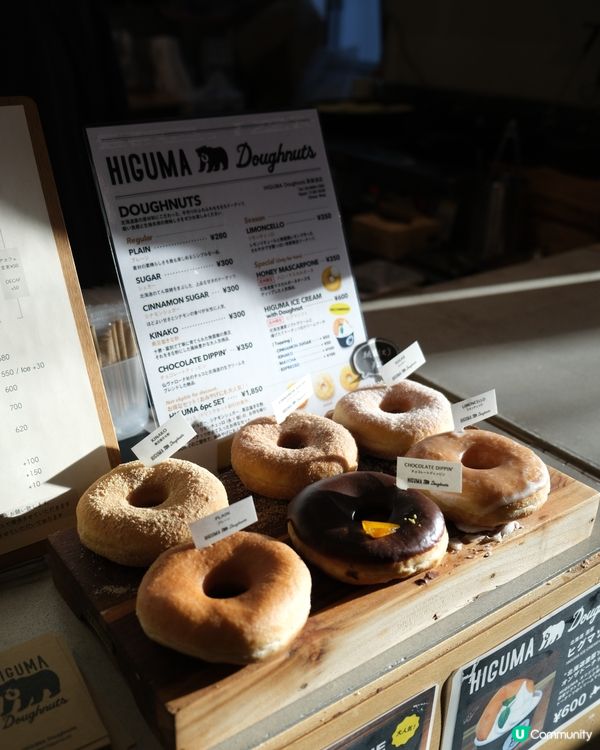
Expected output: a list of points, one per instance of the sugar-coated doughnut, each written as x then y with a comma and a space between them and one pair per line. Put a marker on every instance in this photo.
278, 460
134, 512
387, 420
239, 601
502, 480
360, 528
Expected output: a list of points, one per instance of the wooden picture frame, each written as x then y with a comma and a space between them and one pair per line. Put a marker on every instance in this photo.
22, 536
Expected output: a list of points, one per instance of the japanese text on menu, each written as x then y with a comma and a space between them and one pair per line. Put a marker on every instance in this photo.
230, 249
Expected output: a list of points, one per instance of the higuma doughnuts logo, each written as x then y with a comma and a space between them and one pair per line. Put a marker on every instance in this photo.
248, 157
29, 689
125, 169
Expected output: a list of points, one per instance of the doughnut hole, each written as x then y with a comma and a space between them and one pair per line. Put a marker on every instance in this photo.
373, 513
291, 440
147, 495
226, 581
392, 404
480, 456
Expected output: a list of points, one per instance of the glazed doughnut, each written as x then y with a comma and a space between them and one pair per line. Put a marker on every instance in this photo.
387, 420
134, 512
360, 528
323, 387
349, 380
502, 480
278, 460
331, 279
240, 600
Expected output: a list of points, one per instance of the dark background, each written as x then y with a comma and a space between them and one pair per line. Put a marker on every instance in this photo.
479, 120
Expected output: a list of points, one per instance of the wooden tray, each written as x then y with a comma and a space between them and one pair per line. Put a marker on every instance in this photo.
185, 699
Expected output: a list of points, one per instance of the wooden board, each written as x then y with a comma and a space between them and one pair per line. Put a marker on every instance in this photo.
185, 699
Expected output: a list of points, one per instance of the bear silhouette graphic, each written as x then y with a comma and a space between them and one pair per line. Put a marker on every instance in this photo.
28, 690
212, 159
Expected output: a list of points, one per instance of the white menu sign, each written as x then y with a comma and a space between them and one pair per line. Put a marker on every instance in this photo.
229, 245
51, 439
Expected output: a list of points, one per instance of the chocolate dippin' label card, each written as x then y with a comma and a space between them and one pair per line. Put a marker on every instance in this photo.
44, 700
424, 474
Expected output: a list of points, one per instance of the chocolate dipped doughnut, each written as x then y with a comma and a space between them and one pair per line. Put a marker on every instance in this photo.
362, 529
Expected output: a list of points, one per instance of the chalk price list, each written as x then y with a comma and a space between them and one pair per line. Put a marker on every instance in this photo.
14, 377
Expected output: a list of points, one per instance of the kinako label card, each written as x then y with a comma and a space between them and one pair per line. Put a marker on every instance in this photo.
44, 702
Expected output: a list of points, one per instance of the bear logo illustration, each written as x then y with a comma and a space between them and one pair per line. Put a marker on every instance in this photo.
28, 690
552, 633
212, 159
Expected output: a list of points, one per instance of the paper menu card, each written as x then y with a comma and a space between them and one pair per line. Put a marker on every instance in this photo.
230, 249
45, 702
55, 430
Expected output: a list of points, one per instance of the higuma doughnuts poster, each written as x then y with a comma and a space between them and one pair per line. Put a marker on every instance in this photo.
229, 244
45, 702
530, 688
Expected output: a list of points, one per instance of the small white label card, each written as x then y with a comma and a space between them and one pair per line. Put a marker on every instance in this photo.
474, 409
423, 474
164, 441
289, 401
403, 364
223, 523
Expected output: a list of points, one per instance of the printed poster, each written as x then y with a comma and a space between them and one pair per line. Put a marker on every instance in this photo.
407, 726
229, 245
531, 687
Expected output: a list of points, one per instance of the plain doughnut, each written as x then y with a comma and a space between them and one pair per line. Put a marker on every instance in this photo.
362, 529
278, 460
239, 601
135, 512
502, 480
387, 420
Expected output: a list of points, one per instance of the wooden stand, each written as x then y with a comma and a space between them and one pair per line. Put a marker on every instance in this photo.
186, 699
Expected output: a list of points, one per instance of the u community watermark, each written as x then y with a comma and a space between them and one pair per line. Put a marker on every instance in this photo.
525, 732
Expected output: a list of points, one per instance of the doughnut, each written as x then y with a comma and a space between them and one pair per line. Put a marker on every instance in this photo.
349, 380
502, 481
361, 529
508, 706
331, 279
278, 460
323, 387
135, 512
387, 420
240, 600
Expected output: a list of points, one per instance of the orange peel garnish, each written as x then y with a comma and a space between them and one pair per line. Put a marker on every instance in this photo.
378, 529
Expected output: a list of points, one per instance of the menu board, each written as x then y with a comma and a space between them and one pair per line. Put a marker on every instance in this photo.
230, 250
56, 436
528, 689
